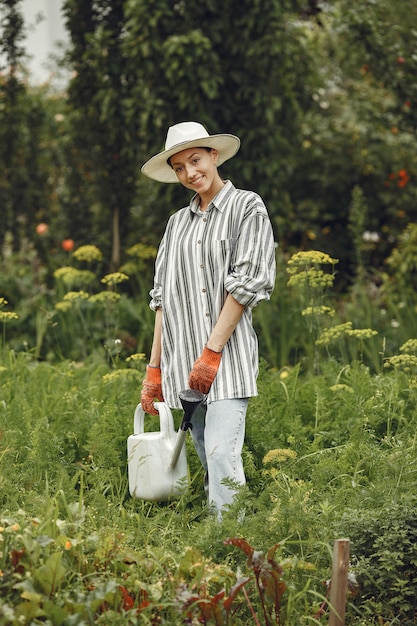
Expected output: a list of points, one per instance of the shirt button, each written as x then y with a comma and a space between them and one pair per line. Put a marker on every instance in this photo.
201, 266
199, 241
204, 290
207, 314
204, 219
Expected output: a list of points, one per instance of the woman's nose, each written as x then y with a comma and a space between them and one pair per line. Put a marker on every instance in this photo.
191, 170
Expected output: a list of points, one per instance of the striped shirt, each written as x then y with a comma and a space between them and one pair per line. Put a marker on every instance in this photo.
204, 256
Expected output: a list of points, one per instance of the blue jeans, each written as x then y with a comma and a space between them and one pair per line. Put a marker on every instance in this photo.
218, 433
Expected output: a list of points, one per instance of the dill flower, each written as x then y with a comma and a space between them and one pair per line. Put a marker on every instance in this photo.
72, 277
130, 268
279, 455
314, 277
405, 362
302, 261
341, 387
318, 310
138, 356
409, 346
105, 297
7, 316
142, 251
74, 296
362, 333
120, 375
62, 271
333, 334
63, 306
3, 301
88, 253
114, 278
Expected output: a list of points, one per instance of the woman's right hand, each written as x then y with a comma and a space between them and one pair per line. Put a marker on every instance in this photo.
151, 390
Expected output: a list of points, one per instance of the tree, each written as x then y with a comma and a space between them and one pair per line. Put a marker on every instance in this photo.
14, 176
239, 67
102, 167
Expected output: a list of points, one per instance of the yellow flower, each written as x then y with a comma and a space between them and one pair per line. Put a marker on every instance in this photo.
72, 277
63, 306
333, 334
279, 455
341, 387
139, 356
318, 310
315, 278
142, 251
61, 271
362, 333
88, 253
409, 346
302, 261
73, 296
119, 375
105, 297
3, 301
402, 361
114, 278
7, 316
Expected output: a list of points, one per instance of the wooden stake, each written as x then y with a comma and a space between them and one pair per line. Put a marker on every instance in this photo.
338, 588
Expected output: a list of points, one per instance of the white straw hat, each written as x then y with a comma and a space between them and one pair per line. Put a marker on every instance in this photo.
188, 135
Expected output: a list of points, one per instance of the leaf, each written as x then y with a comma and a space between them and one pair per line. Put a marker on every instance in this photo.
240, 543
51, 574
56, 614
271, 552
32, 596
273, 585
234, 591
127, 600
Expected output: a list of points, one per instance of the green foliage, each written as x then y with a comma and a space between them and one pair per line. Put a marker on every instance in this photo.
319, 448
28, 155
384, 548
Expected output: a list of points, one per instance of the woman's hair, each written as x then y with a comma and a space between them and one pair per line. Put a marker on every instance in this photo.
201, 147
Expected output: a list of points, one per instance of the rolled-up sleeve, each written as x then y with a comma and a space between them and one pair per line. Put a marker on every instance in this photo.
252, 273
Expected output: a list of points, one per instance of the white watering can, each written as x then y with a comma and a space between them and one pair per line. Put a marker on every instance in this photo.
157, 461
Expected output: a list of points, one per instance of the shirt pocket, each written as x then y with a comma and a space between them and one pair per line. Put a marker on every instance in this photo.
222, 257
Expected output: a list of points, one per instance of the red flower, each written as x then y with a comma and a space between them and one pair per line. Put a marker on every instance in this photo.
67, 245
42, 228
400, 60
403, 178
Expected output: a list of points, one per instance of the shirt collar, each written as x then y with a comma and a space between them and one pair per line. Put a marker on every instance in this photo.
218, 201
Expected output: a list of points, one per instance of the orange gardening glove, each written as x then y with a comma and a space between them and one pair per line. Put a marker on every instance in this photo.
151, 390
204, 370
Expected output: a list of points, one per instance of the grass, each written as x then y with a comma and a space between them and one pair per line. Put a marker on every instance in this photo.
322, 452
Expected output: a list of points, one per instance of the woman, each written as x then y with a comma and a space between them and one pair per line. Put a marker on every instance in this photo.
216, 261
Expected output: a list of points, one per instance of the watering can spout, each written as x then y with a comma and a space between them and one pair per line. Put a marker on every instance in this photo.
190, 400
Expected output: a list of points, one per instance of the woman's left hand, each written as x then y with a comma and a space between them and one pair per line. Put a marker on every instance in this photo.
204, 370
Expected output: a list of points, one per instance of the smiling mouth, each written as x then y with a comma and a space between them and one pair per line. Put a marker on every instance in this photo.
196, 181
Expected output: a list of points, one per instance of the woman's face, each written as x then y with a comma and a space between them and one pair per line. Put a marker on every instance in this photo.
196, 169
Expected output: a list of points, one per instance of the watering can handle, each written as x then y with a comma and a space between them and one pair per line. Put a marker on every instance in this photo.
165, 418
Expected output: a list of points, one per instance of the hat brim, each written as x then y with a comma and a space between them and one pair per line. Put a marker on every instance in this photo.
158, 169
